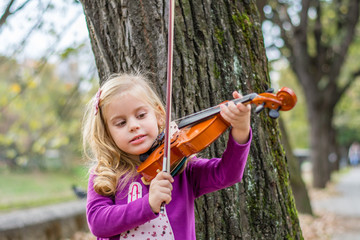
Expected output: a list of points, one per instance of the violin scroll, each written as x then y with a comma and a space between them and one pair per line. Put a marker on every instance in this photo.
287, 97
284, 100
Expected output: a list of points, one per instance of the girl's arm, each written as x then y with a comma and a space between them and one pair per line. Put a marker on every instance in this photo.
106, 219
208, 175
214, 174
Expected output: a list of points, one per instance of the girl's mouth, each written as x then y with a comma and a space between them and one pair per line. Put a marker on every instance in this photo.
138, 139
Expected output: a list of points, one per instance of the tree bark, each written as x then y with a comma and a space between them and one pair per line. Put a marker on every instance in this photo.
218, 48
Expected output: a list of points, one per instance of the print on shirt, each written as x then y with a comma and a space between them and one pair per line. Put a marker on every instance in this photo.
158, 228
135, 192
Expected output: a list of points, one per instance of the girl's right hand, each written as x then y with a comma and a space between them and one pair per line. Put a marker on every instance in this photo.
160, 190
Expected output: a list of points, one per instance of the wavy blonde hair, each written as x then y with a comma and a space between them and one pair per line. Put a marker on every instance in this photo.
110, 163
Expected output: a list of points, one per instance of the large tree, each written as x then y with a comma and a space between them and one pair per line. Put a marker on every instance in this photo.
317, 36
218, 48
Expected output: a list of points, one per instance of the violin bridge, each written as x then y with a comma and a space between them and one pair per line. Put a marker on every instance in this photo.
173, 129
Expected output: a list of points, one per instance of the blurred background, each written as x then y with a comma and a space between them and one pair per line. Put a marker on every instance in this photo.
48, 74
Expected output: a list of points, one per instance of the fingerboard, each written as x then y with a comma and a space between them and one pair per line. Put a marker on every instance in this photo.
208, 113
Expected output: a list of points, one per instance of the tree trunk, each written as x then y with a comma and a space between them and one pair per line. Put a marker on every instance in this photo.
321, 134
298, 186
218, 48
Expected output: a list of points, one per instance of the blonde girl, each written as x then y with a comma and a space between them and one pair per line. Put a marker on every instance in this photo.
122, 122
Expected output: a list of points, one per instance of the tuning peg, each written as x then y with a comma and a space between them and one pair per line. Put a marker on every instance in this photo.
274, 113
270, 90
260, 107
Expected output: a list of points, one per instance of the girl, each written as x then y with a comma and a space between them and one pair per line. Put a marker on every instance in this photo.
122, 122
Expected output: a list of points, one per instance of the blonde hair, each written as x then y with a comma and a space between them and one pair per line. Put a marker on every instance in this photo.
113, 168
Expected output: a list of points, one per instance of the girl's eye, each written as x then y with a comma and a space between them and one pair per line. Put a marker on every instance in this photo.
141, 115
120, 123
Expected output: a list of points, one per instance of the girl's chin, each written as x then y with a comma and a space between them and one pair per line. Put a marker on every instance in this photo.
142, 151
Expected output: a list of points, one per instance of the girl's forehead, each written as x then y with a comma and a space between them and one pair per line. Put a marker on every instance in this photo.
133, 95
129, 100
124, 104
134, 91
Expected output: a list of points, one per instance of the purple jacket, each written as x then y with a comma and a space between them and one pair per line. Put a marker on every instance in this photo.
108, 217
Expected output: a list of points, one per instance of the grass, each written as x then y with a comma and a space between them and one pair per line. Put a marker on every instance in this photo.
30, 189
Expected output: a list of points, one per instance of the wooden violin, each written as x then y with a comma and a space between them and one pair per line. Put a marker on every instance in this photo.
199, 130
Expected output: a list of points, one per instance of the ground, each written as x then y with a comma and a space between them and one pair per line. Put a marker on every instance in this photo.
336, 209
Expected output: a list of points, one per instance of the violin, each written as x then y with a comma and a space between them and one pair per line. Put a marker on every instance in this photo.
197, 131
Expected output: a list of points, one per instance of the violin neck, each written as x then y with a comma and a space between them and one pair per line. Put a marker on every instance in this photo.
210, 112
245, 99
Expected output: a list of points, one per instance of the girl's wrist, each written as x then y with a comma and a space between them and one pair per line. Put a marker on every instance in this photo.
241, 135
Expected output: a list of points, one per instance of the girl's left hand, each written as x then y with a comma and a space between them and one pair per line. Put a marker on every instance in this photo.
239, 118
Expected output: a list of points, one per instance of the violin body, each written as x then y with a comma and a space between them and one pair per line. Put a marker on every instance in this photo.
188, 141
199, 130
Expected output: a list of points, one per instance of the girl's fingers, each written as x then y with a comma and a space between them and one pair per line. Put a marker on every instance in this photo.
166, 185
232, 111
244, 108
236, 94
164, 176
241, 107
165, 198
162, 182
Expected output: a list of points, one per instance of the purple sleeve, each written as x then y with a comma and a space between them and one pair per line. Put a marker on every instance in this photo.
208, 175
106, 219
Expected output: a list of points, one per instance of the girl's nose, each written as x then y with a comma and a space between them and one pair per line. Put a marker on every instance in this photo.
133, 125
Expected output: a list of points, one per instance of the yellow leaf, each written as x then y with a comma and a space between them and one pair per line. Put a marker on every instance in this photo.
15, 88
32, 84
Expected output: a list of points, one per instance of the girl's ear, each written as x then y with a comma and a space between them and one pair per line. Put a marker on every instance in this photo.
161, 123
160, 115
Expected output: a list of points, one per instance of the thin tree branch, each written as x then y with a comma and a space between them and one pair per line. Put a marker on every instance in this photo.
7, 11
21, 7
341, 50
321, 47
349, 82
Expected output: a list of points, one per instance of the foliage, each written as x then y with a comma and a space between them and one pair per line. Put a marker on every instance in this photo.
41, 103
295, 120
347, 120
40, 116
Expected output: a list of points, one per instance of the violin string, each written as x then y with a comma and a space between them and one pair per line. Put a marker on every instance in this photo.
196, 113
208, 109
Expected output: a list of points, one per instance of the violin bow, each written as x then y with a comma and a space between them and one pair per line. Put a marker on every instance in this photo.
166, 159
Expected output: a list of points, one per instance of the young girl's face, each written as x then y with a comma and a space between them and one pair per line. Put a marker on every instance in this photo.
132, 123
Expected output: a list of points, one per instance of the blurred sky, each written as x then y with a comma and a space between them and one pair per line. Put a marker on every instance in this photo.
64, 26
65, 19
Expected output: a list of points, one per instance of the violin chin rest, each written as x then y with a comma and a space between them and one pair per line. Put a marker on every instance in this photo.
144, 181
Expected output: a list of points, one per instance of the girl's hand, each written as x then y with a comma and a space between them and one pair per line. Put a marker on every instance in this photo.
160, 191
239, 118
